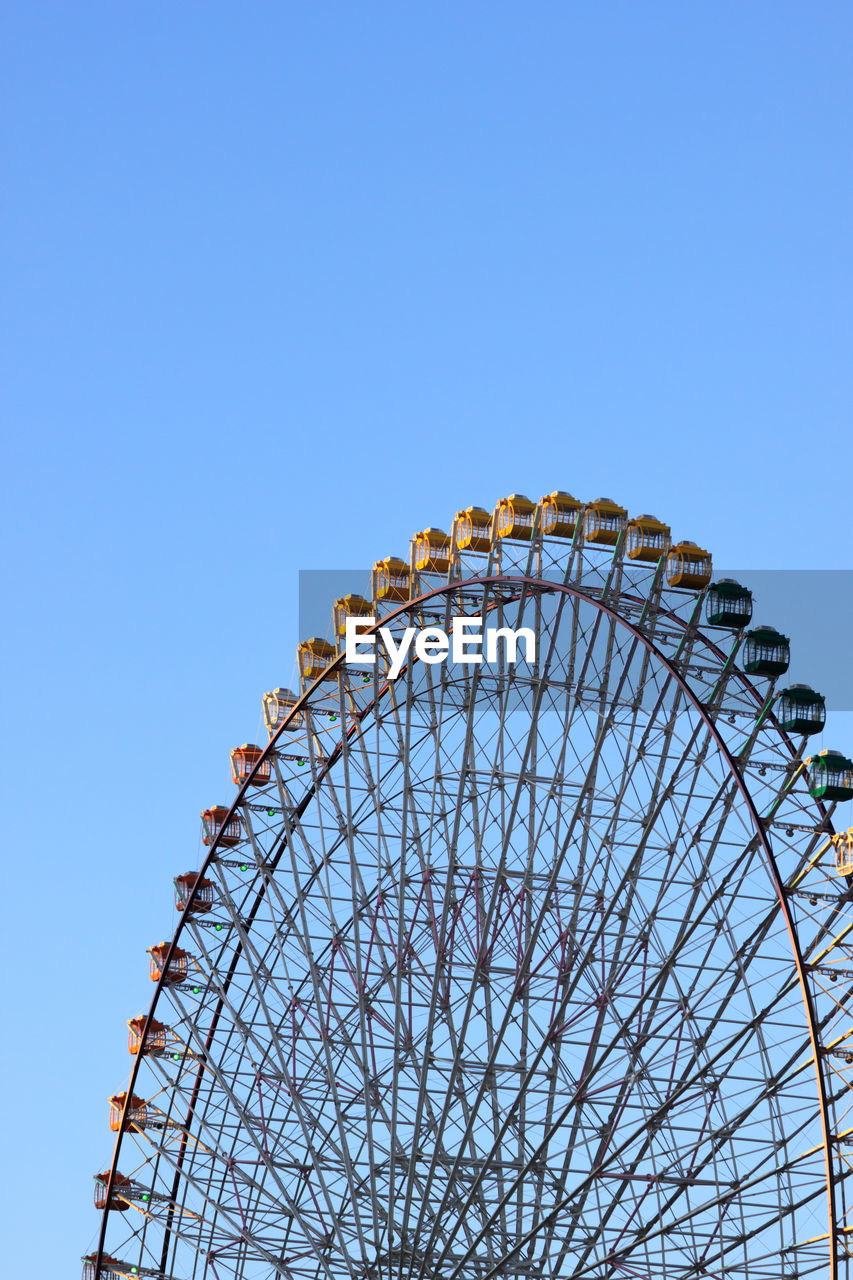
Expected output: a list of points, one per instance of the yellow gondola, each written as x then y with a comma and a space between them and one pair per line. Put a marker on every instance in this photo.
314, 658
604, 522
648, 539
843, 843
431, 550
514, 517
472, 529
390, 580
688, 566
559, 513
350, 607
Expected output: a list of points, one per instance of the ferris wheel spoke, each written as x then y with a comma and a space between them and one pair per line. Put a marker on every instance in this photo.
505, 1020
695, 1170
308, 1123
440, 930
253, 1124
374, 1197
665, 1230
235, 1219
246, 1028
698, 1168
456, 1069
332, 1084
499, 983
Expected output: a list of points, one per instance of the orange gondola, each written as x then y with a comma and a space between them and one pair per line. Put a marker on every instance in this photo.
244, 760
199, 902
174, 970
215, 822
115, 1199
109, 1267
133, 1116
155, 1040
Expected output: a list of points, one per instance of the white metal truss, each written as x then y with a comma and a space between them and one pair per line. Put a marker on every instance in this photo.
521, 971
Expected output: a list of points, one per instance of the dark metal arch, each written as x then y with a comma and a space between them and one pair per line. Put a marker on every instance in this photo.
544, 586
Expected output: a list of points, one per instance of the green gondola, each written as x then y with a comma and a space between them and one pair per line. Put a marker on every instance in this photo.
832, 776
801, 710
766, 652
728, 604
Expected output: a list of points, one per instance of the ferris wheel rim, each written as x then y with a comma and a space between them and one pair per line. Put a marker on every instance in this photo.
542, 586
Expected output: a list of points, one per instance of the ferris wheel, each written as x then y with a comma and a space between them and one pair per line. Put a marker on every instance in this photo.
535, 965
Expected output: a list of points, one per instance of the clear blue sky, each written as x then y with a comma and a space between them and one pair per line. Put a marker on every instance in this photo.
285, 282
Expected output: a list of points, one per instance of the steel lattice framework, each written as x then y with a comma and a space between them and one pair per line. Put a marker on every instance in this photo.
520, 971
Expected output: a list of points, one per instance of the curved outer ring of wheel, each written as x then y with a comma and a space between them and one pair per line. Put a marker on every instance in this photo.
546, 587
